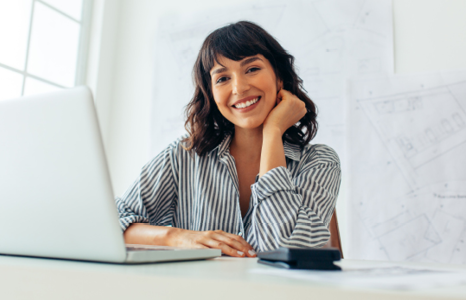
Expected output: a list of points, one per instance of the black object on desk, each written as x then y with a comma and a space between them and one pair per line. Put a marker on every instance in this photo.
301, 258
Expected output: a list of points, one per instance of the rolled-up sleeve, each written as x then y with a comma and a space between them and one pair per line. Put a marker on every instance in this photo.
149, 199
295, 210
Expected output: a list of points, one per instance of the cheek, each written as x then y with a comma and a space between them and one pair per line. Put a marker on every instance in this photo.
272, 90
218, 97
220, 104
268, 84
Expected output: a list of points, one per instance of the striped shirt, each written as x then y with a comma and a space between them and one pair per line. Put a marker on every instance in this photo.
289, 207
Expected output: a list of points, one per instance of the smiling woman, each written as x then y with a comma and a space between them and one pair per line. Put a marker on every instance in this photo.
247, 45
245, 178
231, 79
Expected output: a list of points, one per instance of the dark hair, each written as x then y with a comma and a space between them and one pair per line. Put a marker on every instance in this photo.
206, 126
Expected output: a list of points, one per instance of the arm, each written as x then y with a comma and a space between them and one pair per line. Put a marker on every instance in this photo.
149, 200
292, 212
145, 234
295, 211
288, 111
230, 244
272, 154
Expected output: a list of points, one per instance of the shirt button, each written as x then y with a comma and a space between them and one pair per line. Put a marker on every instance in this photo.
240, 233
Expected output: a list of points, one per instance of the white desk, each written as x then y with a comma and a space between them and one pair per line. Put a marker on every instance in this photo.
220, 278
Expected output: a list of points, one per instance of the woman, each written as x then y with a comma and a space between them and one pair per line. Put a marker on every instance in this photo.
245, 179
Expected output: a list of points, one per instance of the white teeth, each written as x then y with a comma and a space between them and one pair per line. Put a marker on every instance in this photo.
247, 103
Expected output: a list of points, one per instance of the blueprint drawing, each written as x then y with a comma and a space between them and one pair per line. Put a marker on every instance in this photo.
407, 145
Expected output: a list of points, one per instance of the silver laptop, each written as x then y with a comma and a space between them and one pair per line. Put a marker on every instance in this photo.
56, 197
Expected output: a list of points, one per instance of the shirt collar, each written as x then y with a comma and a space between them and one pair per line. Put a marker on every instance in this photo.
222, 146
292, 151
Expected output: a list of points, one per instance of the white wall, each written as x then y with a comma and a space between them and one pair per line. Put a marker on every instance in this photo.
430, 35
101, 60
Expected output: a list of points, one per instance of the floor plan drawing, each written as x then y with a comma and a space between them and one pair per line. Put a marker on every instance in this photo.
413, 143
407, 139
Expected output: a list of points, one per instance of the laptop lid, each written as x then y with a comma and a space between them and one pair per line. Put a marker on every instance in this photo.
56, 197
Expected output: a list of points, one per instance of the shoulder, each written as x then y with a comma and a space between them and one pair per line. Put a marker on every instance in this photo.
319, 154
178, 144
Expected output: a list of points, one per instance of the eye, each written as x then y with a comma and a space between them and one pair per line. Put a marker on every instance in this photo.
253, 69
221, 79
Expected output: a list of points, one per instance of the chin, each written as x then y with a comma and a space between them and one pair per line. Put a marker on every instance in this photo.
251, 125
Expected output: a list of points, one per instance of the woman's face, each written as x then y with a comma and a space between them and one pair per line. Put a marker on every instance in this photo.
245, 91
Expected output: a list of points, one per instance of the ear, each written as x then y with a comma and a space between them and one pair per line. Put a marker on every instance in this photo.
279, 84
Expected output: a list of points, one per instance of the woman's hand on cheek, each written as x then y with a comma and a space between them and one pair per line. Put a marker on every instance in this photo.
230, 244
288, 111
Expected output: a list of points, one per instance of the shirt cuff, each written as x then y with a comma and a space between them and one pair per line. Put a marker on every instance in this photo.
276, 180
125, 222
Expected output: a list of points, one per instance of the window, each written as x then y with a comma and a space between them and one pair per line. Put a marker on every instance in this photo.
44, 45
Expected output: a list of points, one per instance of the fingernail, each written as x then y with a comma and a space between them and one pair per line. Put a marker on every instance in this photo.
240, 253
252, 252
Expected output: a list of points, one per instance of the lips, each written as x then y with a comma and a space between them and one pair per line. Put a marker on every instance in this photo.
243, 107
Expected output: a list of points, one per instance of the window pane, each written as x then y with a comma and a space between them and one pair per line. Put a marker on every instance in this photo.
34, 86
10, 84
14, 26
54, 46
72, 8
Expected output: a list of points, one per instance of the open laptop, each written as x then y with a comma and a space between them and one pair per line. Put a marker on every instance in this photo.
56, 197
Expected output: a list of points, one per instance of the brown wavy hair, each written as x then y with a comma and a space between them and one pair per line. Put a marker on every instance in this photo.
206, 126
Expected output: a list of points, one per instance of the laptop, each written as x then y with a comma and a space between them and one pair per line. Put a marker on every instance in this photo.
56, 198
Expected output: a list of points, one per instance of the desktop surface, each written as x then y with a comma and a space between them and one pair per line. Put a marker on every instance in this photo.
218, 278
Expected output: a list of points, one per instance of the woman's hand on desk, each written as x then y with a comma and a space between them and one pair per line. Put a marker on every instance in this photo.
230, 244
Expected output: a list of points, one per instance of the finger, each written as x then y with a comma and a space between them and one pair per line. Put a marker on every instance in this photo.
284, 93
235, 237
278, 100
212, 243
243, 245
234, 243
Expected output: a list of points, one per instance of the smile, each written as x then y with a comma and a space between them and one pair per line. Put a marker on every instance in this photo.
247, 103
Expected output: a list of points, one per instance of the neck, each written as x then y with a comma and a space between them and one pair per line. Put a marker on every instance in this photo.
247, 143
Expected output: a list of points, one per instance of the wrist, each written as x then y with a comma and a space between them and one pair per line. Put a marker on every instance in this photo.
272, 131
171, 235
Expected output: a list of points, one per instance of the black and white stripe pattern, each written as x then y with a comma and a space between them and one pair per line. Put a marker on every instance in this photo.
289, 207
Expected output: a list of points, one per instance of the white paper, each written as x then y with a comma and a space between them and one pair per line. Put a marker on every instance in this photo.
407, 152
330, 40
389, 277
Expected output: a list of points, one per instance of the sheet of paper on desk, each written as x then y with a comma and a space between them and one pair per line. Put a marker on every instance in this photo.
407, 145
392, 278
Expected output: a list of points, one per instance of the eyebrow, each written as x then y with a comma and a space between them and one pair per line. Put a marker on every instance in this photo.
219, 70
249, 60
242, 64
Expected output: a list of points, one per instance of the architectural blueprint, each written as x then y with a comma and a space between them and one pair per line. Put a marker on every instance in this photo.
407, 153
331, 40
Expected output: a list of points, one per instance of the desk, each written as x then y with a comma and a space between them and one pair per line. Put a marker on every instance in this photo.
219, 278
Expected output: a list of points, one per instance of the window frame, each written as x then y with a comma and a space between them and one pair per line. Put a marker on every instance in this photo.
83, 46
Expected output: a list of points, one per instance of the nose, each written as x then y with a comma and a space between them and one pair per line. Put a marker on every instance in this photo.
240, 85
